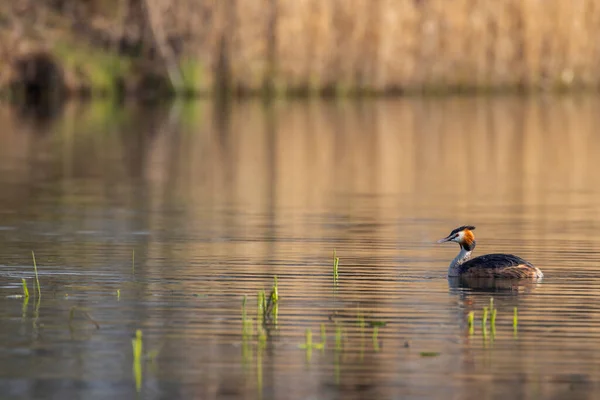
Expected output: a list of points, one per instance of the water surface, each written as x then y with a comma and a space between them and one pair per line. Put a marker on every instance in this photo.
185, 209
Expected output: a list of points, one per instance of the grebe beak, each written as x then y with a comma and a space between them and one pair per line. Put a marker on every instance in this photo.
446, 239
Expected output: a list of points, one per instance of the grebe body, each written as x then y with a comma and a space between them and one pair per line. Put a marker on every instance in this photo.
486, 266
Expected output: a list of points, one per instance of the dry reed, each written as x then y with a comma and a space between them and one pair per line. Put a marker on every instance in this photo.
366, 45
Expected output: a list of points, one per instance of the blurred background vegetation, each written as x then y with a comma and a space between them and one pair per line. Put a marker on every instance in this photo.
191, 47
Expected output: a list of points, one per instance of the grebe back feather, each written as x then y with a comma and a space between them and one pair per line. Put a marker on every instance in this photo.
486, 266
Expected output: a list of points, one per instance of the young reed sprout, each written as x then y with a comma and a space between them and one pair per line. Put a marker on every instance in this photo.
485, 316
471, 320
37, 280
261, 306
375, 339
307, 339
336, 263
24, 307
361, 320
250, 327
493, 323
245, 324
361, 323
493, 318
308, 343
338, 338
137, 359
263, 299
25, 290
272, 305
275, 291
515, 320
323, 335
137, 345
262, 338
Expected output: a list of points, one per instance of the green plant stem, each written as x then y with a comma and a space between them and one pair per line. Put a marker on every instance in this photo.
37, 280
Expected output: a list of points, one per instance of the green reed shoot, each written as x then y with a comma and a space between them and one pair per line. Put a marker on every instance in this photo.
274, 300
24, 307
336, 263
261, 306
375, 339
118, 293
515, 321
361, 323
493, 319
37, 280
471, 320
137, 359
25, 290
338, 338
263, 299
308, 343
485, 316
493, 323
275, 291
36, 312
250, 327
308, 338
244, 299
323, 335
262, 338
484, 323
246, 351
245, 323
319, 346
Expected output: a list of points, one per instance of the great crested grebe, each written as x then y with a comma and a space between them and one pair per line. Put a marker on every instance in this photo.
487, 266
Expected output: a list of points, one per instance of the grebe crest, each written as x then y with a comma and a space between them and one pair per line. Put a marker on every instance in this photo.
462, 235
486, 266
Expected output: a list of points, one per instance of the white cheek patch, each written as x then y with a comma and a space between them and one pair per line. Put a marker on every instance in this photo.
460, 236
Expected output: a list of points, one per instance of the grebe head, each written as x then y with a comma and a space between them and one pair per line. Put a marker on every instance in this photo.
463, 236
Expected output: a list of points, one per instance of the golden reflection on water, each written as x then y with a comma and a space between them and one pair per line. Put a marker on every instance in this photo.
215, 203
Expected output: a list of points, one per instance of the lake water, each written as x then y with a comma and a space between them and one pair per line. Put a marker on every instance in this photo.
162, 219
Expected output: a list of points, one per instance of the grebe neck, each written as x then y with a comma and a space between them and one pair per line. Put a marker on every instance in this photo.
460, 259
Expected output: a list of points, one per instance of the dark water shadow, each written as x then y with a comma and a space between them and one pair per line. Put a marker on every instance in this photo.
39, 111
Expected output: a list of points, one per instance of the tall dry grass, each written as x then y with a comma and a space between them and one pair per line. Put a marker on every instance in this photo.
382, 45
371, 45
